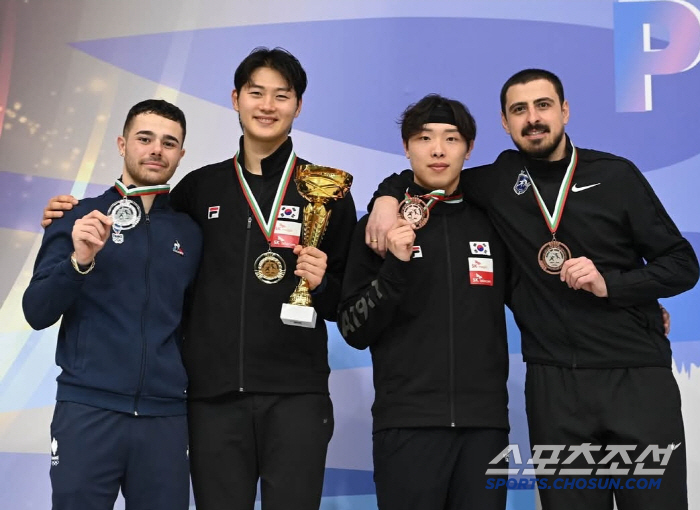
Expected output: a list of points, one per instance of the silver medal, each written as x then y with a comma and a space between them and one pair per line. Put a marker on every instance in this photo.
125, 214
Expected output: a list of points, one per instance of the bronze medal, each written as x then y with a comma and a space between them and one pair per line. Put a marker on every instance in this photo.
270, 267
414, 211
552, 256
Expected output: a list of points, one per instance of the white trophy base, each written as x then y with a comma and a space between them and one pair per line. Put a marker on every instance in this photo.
295, 315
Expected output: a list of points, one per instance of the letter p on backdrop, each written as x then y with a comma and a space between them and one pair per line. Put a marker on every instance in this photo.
636, 60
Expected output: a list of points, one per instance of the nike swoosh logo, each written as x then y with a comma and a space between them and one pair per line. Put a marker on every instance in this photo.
674, 446
575, 188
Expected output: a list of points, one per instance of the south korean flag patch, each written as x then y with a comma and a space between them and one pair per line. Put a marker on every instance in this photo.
480, 271
289, 212
479, 248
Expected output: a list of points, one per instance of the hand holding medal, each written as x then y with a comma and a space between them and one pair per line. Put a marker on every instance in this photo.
581, 273
89, 236
400, 239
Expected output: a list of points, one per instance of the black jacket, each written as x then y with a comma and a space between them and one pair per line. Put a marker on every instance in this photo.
235, 340
616, 221
438, 340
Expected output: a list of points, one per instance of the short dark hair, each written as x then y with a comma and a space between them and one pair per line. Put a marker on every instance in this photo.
157, 107
528, 75
417, 115
278, 59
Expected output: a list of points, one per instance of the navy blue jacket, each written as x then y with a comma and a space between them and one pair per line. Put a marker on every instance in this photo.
120, 336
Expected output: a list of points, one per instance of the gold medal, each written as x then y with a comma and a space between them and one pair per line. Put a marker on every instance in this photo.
552, 256
269, 267
414, 211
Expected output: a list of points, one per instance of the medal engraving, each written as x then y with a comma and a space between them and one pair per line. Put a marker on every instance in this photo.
269, 267
552, 256
414, 211
125, 214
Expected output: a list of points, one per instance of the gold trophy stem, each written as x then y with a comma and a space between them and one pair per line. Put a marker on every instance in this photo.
315, 221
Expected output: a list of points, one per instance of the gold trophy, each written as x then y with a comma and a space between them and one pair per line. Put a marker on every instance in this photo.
319, 185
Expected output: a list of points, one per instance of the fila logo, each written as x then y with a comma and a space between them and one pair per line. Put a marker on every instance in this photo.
213, 212
417, 252
575, 188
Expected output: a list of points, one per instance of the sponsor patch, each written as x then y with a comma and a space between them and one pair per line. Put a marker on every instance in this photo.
286, 234
481, 271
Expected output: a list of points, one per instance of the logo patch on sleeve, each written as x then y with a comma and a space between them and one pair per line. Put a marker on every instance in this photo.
479, 248
481, 271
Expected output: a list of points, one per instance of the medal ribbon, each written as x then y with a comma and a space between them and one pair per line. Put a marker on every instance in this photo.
438, 196
268, 227
553, 219
140, 191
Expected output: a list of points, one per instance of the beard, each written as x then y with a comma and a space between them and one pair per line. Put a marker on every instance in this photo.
544, 150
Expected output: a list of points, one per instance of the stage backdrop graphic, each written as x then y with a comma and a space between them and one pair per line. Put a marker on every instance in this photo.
70, 70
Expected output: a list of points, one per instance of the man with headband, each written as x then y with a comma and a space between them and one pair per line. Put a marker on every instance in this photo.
116, 269
432, 314
593, 249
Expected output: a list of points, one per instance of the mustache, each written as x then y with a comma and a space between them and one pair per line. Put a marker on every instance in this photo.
532, 128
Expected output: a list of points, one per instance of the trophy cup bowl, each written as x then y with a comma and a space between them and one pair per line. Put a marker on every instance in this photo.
319, 185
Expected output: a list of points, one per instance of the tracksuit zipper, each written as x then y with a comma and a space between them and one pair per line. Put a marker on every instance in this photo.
241, 388
143, 318
450, 312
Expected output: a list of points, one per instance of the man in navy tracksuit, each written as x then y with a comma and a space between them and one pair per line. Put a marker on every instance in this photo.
432, 314
116, 269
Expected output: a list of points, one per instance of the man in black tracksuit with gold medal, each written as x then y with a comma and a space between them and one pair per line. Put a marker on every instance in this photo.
432, 314
259, 407
593, 250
